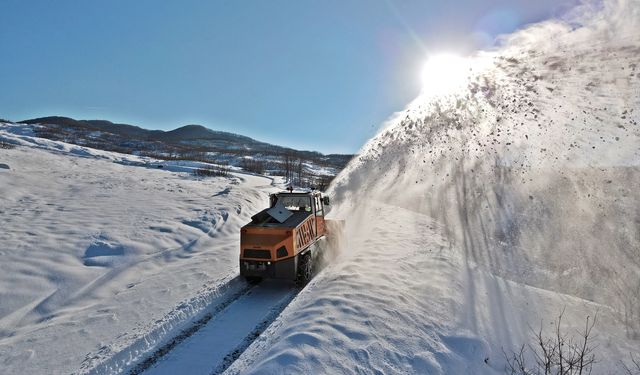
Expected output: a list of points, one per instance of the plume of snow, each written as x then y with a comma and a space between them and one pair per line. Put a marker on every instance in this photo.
533, 168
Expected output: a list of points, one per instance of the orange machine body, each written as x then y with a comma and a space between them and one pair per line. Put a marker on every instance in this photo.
272, 248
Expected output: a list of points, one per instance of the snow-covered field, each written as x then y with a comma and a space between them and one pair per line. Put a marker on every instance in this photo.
473, 219
98, 252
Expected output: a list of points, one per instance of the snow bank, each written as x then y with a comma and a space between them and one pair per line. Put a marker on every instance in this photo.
122, 356
533, 169
404, 301
474, 216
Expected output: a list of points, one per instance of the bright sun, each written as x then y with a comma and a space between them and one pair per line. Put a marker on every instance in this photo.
444, 73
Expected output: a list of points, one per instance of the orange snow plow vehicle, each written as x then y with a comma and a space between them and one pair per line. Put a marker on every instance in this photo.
288, 240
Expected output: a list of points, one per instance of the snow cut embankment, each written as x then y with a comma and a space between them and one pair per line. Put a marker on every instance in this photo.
476, 216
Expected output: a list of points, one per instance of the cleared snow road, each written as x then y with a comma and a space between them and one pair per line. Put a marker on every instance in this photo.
219, 342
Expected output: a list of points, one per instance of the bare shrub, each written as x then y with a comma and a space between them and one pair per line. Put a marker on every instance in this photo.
557, 354
322, 182
253, 165
6, 145
212, 171
632, 368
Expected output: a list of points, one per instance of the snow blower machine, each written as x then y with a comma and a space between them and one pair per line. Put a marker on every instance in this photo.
289, 240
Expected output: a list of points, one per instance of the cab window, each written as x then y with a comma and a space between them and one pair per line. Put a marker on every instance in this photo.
295, 203
319, 210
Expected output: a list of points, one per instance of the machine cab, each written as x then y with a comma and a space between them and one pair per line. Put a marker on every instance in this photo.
301, 202
281, 237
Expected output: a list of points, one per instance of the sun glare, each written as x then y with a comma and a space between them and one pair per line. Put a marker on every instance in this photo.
444, 73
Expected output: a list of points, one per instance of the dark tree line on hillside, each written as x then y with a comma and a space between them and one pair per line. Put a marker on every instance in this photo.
290, 167
297, 174
253, 165
257, 157
212, 171
105, 135
203, 150
6, 145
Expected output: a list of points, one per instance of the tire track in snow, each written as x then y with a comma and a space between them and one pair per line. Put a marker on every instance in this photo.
123, 357
213, 344
231, 357
188, 332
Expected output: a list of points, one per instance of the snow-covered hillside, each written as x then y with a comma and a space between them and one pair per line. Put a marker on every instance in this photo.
476, 217
103, 251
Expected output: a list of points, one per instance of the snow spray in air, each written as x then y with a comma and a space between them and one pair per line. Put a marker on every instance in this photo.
533, 168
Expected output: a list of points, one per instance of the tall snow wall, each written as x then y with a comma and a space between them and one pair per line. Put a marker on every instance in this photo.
533, 168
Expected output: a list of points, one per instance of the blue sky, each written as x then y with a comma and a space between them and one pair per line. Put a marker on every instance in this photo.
319, 75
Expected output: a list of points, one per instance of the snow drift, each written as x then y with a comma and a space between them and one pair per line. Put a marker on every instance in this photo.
472, 217
533, 168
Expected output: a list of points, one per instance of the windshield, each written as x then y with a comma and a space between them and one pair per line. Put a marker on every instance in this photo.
295, 203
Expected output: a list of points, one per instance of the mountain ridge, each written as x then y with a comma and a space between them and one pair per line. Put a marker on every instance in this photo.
190, 142
184, 134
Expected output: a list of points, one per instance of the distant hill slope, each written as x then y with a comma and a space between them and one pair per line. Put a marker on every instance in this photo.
194, 142
184, 133
198, 132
